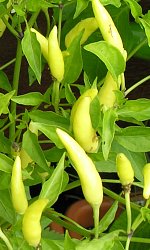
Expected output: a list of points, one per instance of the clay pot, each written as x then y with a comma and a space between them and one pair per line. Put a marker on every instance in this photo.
82, 213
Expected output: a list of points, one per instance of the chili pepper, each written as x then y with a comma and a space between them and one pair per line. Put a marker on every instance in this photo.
83, 131
18, 193
107, 26
31, 227
55, 56
124, 169
106, 93
89, 25
89, 177
146, 174
43, 43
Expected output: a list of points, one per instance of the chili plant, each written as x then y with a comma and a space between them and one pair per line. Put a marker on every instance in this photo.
64, 107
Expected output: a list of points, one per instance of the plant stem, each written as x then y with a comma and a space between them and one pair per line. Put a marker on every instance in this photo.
96, 220
128, 209
11, 29
120, 199
15, 86
136, 85
55, 95
5, 239
136, 239
59, 22
33, 18
7, 64
127, 189
47, 21
71, 225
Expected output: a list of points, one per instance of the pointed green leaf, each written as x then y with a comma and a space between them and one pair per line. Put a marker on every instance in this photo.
32, 51
31, 146
50, 132
53, 186
49, 118
136, 9
73, 62
4, 102
110, 55
4, 82
108, 131
32, 98
81, 5
134, 138
145, 20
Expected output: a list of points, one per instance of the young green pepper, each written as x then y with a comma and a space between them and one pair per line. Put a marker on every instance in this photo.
31, 227
146, 174
89, 25
18, 194
124, 169
55, 56
89, 177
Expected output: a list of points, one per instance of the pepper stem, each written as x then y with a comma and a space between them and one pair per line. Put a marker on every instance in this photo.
5, 239
129, 216
96, 220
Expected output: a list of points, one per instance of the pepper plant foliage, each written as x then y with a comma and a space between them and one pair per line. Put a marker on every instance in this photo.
44, 161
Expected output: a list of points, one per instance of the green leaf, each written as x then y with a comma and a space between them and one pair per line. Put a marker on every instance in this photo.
36, 5
32, 99
53, 154
4, 82
81, 5
50, 132
5, 179
102, 165
69, 243
138, 109
4, 102
108, 131
32, 51
136, 9
5, 163
95, 113
106, 242
134, 138
49, 118
73, 62
69, 94
47, 243
145, 20
31, 146
110, 55
117, 245
6, 208
145, 211
116, 3
51, 189
5, 144
108, 217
